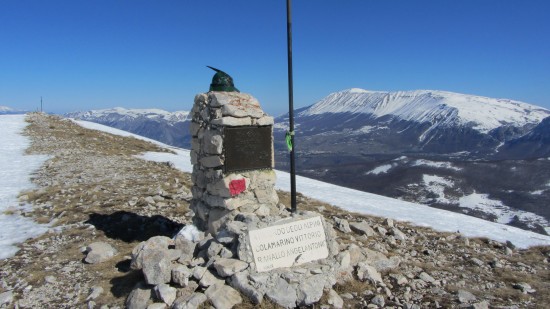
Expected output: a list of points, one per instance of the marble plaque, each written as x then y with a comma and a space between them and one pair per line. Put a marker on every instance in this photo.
288, 244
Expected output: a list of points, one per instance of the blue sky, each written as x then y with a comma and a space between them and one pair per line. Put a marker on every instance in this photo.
82, 55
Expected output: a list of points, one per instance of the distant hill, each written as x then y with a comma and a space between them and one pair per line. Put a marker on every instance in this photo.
168, 127
5, 110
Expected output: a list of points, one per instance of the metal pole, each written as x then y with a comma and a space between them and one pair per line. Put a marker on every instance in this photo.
291, 107
40, 103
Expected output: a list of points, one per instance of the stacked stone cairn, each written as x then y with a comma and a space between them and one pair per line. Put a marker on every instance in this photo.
217, 263
217, 196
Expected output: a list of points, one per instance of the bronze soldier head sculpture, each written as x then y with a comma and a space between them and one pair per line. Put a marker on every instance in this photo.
222, 81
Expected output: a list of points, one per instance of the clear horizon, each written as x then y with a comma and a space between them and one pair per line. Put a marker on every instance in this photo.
142, 54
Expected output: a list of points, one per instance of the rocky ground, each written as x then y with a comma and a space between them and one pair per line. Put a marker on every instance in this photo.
94, 189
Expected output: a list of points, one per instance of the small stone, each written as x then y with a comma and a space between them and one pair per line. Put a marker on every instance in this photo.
265, 121
139, 297
99, 252
156, 267
481, 305
378, 300
133, 201
6, 298
465, 296
426, 278
240, 282
211, 161
524, 287
342, 225
367, 272
157, 306
166, 293
232, 121
223, 296
190, 302
180, 275
509, 251
50, 279
282, 293
395, 232
228, 267
335, 300
362, 228
310, 290
94, 292
209, 279
382, 231
388, 222
477, 261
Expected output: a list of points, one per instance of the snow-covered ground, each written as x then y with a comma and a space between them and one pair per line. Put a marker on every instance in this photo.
504, 214
367, 203
437, 185
382, 169
447, 165
15, 172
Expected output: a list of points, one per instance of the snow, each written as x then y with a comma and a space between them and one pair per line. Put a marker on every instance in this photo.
190, 232
370, 204
380, 169
440, 108
16, 169
281, 126
151, 113
447, 165
503, 213
437, 185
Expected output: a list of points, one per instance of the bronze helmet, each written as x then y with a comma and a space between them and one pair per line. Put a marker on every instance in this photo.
222, 81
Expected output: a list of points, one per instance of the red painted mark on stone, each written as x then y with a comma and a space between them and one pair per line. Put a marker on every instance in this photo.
237, 186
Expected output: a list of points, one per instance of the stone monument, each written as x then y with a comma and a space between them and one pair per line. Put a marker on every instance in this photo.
232, 157
249, 244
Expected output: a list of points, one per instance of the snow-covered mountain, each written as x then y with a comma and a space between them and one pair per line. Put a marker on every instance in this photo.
168, 127
476, 146
417, 121
439, 108
5, 110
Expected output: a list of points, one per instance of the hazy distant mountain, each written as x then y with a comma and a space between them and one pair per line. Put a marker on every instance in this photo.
5, 110
168, 127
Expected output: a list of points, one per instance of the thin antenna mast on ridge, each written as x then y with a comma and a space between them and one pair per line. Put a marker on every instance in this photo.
40, 103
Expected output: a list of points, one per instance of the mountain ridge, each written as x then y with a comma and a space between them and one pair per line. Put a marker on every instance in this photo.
168, 127
436, 106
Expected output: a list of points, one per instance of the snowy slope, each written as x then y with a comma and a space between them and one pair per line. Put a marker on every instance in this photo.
168, 127
433, 106
15, 172
371, 204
